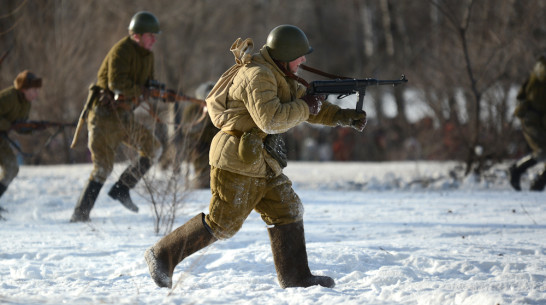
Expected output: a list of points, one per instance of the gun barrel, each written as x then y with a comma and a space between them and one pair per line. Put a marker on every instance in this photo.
350, 86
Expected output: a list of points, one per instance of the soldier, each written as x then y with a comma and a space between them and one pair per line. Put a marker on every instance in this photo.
253, 103
531, 111
15, 103
199, 132
120, 88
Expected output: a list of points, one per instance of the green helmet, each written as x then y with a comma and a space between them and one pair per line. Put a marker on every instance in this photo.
287, 42
144, 22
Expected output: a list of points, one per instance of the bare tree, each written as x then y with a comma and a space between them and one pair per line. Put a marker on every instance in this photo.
463, 58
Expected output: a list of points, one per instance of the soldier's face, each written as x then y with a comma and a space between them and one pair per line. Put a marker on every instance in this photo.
146, 40
295, 64
30, 94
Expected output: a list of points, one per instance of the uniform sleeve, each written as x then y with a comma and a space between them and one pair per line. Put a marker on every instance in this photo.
326, 115
264, 106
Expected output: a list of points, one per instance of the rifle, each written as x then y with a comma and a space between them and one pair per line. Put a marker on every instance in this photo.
28, 126
93, 93
39, 125
346, 87
158, 91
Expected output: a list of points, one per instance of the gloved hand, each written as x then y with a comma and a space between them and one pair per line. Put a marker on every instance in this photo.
351, 118
314, 102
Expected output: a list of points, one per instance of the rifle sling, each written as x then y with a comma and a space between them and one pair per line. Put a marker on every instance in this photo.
322, 73
289, 73
302, 81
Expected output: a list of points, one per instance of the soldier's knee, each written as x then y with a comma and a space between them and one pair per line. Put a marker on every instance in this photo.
222, 231
100, 173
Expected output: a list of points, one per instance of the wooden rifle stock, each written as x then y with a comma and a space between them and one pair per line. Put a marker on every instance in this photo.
170, 96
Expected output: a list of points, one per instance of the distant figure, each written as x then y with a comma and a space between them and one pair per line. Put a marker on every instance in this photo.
198, 132
15, 103
120, 89
531, 111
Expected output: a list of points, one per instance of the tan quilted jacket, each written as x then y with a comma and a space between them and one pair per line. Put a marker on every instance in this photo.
261, 96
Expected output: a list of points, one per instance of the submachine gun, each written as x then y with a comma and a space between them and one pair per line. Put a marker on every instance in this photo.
345, 87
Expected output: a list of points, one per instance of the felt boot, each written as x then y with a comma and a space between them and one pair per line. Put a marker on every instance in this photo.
169, 251
290, 257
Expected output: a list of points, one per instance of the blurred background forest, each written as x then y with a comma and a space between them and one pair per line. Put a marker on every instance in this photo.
465, 61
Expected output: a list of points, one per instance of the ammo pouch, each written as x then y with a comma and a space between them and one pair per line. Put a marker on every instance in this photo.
275, 146
250, 146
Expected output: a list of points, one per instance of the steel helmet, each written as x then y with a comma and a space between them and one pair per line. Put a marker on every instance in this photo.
287, 42
144, 22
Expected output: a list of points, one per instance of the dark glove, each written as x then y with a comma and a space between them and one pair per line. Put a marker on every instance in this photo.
275, 147
314, 102
350, 118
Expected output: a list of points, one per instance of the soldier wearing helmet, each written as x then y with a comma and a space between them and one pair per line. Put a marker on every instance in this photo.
15, 103
119, 89
252, 104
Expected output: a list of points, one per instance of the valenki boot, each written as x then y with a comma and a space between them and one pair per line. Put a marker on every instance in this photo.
290, 257
168, 252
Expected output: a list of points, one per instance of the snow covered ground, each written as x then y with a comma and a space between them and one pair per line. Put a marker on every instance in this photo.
388, 233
